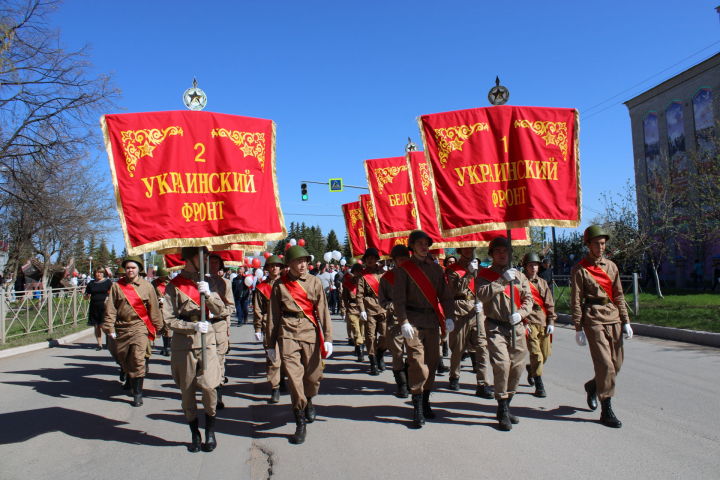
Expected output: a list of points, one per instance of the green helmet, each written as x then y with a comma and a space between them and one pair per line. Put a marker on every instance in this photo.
189, 252
274, 260
295, 252
416, 235
594, 231
371, 252
134, 259
530, 258
161, 272
498, 242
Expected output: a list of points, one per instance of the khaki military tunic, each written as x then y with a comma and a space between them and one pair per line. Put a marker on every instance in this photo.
166, 332
375, 326
181, 312
601, 320
393, 338
352, 314
297, 337
221, 323
508, 362
423, 350
132, 345
539, 342
261, 308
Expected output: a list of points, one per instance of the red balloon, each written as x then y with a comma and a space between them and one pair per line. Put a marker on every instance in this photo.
301, 242
287, 245
247, 261
282, 256
267, 254
256, 263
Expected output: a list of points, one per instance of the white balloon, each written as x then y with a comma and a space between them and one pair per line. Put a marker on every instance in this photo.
293, 242
343, 262
327, 257
336, 255
312, 258
248, 281
259, 272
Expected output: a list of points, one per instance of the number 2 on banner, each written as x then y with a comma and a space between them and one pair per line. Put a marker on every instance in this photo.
199, 157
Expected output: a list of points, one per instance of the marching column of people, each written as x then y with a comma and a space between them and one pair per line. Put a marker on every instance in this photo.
371, 312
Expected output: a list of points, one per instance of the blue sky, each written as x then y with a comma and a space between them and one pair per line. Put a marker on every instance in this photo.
345, 81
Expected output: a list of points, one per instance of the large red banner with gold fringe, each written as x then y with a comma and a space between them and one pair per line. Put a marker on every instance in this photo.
502, 167
185, 178
355, 227
391, 194
371, 234
425, 211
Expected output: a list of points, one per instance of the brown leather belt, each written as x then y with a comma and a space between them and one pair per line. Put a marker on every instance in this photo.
419, 309
293, 314
596, 301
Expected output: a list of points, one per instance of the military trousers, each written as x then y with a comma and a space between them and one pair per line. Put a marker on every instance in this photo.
606, 349
508, 362
462, 338
540, 347
186, 368
396, 344
222, 340
357, 328
303, 365
375, 330
423, 355
274, 369
130, 352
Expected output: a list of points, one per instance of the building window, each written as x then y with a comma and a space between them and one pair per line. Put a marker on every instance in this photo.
676, 139
704, 121
651, 135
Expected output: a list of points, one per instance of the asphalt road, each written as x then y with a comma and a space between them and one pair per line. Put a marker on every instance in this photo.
63, 415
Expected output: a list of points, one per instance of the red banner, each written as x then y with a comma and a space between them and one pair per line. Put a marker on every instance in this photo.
185, 178
425, 212
355, 227
392, 197
372, 238
516, 167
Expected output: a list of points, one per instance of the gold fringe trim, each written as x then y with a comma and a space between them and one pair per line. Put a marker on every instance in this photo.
387, 235
408, 160
276, 191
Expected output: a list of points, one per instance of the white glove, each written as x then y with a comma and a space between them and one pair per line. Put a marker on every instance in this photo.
363, 315
204, 288
407, 330
472, 266
510, 275
515, 318
259, 336
271, 354
449, 325
328, 349
201, 327
113, 335
479, 307
550, 329
627, 330
580, 338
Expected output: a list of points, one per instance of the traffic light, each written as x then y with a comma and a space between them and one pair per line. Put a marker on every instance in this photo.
303, 191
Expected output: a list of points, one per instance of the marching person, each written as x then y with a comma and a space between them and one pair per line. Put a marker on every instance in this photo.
299, 323
501, 324
132, 319
600, 318
261, 308
370, 310
181, 309
420, 295
221, 323
541, 321
394, 339
352, 309
160, 283
241, 296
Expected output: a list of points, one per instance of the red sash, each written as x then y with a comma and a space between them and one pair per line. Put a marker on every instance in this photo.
537, 298
374, 283
161, 286
462, 271
189, 288
600, 277
300, 297
348, 283
265, 288
491, 276
427, 289
137, 304
390, 277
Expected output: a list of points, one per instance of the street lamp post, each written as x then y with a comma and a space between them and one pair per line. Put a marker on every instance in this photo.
90, 258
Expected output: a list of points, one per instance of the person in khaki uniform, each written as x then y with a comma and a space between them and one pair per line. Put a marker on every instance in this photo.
261, 308
597, 304
466, 336
181, 309
132, 319
299, 322
370, 310
160, 283
541, 321
352, 309
221, 323
416, 310
501, 324
394, 339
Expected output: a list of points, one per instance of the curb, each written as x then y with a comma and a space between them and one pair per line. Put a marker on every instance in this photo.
708, 339
11, 352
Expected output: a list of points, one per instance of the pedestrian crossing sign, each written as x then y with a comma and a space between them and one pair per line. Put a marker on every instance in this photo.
336, 184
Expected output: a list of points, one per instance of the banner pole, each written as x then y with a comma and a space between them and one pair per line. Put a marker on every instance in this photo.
512, 290
202, 308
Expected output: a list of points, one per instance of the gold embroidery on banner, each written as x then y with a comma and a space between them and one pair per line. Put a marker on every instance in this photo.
400, 241
370, 210
141, 143
386, 175
251, 144
554, 133
424, 176
452, 138
355, 216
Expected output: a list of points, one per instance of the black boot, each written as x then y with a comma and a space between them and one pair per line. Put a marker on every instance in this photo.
418, 417
166, 346
454, 384
137, 386
358, 353
442, 369
299, 436
309, 411
503, 419
373, 366
401, 381
445, 349
123, 377
283, 385
591, 391
539, 388
220, 404
531, 380
513, 419
427, 411
210, 442
275, 396
484, 391
361, 353
607, 416
380, 360
196, 438
473, 361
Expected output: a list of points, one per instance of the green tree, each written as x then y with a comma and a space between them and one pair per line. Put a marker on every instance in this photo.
332, 243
